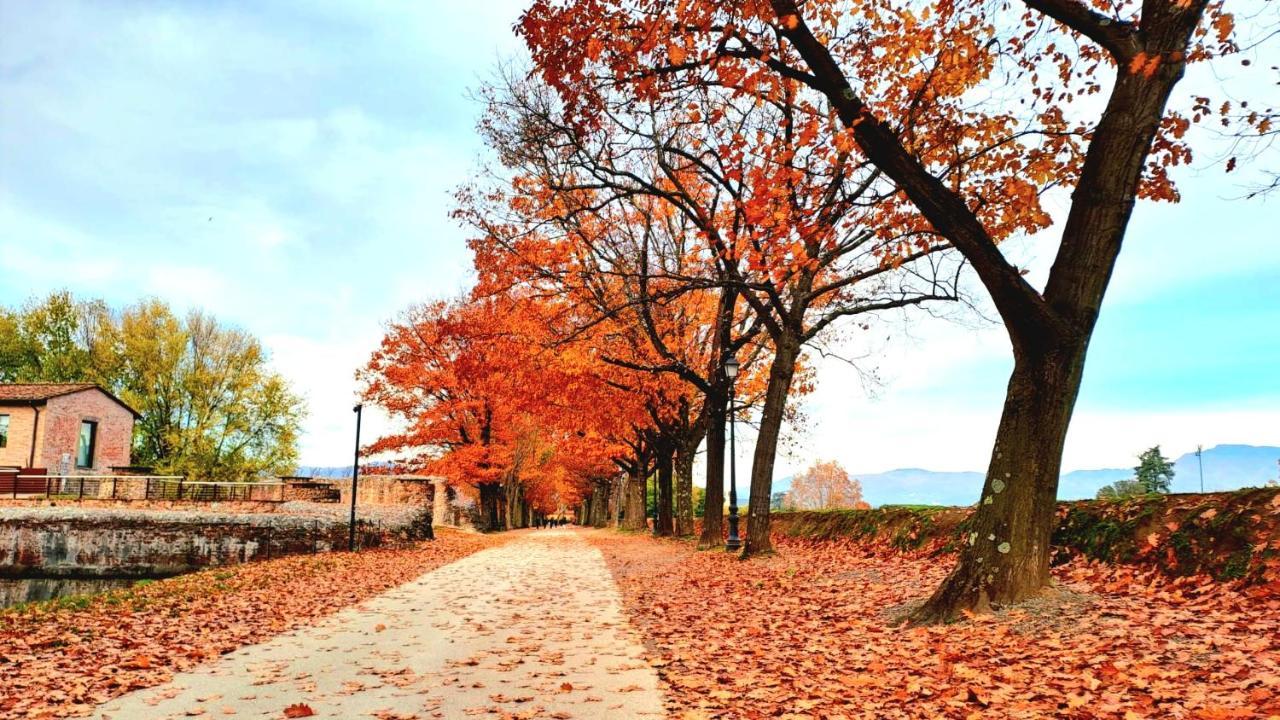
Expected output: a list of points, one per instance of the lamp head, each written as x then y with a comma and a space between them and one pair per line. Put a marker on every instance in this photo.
731, 368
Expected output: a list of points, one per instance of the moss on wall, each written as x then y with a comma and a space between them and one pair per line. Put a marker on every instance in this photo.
1229, 536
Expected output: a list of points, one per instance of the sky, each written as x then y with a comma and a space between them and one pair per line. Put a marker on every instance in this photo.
288, 166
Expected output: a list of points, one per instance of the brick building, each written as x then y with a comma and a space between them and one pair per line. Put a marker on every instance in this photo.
66, 428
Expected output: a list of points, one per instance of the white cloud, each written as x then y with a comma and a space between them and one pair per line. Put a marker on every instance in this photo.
38, 253
186, 285
323, 373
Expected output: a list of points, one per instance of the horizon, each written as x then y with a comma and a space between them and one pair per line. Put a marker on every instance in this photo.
855, 474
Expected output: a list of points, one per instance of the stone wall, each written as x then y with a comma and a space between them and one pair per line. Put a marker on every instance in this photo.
76, 542
386, 489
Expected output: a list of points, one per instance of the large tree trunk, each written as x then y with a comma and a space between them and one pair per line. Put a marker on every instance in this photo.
684, 488
490, 511
514, 506
664, 525
713, 515
600, 504
633, 501
615, 500
775, 402
1005, 555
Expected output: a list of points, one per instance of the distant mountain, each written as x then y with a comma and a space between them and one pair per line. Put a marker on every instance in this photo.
1226, 467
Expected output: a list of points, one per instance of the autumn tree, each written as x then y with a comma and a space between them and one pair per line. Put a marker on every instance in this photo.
825, 485
974, 112
487, 405
801, 238
654, 304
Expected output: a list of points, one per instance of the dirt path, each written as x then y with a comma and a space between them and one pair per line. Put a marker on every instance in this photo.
531, 629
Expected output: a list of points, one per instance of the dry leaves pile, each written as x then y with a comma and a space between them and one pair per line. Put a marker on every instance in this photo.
59, 660
810, 633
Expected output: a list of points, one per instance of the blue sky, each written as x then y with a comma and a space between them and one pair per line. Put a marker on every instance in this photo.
288, 166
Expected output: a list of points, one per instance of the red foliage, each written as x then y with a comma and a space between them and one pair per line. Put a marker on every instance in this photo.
811, 634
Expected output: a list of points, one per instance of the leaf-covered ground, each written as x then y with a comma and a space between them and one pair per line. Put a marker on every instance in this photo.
57, 659
810, 633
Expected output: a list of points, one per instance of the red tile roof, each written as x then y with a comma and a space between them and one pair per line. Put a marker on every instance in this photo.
24, 392
12, 393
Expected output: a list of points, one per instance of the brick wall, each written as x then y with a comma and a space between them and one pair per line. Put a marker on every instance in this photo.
17, 452
60, 425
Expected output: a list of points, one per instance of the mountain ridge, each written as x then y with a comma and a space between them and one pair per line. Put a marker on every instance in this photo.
1226, 467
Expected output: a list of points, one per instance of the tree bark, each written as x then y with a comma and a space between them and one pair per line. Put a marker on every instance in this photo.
664, 525
781, 372
684, 486
600, 504
490, 498
615, 500
713, 515
633, 501
1005, 556
514, 510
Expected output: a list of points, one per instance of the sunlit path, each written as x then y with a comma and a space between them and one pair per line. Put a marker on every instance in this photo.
531, 629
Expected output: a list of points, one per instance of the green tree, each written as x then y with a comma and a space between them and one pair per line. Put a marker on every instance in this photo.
781, 502
1121, 489
57, 339
211, 407
1154, 471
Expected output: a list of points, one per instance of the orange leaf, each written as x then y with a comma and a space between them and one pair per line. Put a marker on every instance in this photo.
299, 710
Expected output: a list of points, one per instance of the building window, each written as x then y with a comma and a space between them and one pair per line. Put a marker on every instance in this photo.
88, 444
4, 431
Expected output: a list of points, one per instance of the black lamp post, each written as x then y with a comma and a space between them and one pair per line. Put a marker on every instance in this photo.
355, 477
734, 543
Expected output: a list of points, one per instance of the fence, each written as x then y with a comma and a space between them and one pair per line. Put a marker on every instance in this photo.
138, 487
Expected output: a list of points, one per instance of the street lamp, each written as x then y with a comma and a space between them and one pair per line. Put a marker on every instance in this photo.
355, 477
733, 543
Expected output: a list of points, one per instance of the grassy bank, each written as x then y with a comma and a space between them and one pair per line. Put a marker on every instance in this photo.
1228, 536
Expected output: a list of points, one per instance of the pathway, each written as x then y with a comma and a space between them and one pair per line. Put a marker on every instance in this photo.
531, 629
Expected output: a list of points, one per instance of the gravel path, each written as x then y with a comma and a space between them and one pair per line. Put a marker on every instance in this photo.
531, 629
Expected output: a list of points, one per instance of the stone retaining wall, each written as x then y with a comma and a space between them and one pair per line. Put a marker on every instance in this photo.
83, 542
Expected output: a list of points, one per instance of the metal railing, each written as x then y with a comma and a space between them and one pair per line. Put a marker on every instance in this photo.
138, 487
